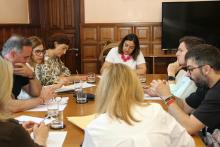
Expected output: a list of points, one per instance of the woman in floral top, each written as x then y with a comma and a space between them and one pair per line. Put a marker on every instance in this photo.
53, 70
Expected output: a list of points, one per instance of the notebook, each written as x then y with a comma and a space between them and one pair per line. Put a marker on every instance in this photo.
81, 121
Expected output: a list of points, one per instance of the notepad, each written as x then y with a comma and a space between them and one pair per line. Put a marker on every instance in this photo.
55, 138
81, 121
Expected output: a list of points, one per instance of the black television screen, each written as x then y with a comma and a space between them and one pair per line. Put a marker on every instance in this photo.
198, 18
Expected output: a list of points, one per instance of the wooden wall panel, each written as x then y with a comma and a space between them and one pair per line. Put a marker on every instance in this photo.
89, 35
143, 33
145, 49
123, 31
89, 52
107, 33
97, 34
25, 30
156, 38
89, 67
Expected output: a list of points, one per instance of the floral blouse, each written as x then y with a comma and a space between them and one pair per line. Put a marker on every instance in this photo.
50, 70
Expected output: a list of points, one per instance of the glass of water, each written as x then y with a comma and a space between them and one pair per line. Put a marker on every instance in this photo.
55, 114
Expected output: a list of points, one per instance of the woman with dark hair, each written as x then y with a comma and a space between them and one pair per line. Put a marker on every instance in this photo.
128, 53
53, 70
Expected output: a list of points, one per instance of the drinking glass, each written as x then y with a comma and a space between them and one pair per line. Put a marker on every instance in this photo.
55, 114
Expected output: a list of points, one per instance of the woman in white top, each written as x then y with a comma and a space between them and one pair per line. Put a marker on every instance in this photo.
128, 52
124, 119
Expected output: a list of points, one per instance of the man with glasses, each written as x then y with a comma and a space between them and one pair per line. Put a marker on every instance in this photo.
18, 50
203, 67
180, 85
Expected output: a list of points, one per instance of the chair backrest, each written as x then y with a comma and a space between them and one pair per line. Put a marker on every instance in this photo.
108, 46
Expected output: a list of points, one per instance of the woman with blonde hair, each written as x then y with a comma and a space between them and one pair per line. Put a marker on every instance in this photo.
124, 119
12, 133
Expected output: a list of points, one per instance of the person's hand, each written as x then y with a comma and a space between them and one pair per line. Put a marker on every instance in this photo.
63, 80
40, 134
216, 135
150, 92
28, 126
23, 70
173, 68
161, 88
48, 92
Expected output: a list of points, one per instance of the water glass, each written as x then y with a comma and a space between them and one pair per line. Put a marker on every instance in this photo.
81, 97
55, 114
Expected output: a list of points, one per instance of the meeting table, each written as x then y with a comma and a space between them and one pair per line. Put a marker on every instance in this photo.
74, 137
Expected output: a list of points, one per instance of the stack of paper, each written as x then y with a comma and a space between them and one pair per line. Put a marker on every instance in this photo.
62, 104
81, 121
55, 138
74, 86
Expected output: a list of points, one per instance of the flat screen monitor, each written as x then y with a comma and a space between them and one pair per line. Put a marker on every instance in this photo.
198, 18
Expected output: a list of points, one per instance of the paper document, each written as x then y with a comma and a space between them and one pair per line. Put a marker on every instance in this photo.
25, 118
62, 105
74, 86
147, 97
55, 138
81, 121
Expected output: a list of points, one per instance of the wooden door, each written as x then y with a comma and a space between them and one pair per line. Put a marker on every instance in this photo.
63, 16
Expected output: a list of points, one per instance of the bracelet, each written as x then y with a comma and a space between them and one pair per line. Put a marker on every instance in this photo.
170, 100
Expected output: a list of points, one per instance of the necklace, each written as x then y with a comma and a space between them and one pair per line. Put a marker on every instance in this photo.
125, 58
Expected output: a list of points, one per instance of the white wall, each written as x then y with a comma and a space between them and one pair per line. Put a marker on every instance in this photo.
14, 11
119, 11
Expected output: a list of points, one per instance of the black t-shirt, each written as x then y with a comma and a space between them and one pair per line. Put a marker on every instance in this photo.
195, 98
208, 112
18, 83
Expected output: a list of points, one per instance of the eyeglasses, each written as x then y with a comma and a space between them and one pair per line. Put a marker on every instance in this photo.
39, 52
190, 69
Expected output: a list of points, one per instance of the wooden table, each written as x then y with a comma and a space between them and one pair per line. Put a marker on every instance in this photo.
74, 134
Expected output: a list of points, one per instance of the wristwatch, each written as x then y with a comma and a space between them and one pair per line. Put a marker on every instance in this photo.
171, 78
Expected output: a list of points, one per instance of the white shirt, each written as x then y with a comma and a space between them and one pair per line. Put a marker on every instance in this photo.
183, 86
156, 129
114, 57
